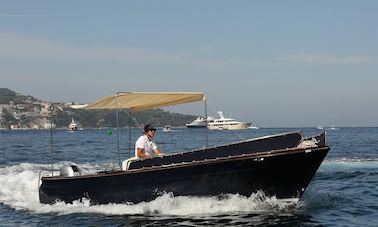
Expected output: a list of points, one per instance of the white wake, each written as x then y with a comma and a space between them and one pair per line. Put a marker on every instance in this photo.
19, 190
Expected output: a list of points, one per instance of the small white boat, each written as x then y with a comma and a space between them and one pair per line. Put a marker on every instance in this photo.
253, 127
226, 123
320, 127
72, 126
167, 128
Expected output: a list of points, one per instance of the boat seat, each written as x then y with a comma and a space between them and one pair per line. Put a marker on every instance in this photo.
127, 162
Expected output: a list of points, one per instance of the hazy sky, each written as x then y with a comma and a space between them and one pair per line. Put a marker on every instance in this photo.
276, 63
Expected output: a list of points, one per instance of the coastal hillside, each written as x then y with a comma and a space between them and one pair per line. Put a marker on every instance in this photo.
7, 95
24, 111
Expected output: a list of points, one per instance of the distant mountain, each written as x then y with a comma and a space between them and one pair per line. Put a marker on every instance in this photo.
106, 118
7, 95
25, 111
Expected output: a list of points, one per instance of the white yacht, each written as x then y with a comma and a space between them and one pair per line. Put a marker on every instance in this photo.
200, 122
72, 126
226, 123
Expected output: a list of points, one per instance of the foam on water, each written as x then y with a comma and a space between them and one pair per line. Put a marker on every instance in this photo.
19, 190
350, 164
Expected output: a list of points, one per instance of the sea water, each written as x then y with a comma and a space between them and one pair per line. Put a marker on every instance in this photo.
344, 191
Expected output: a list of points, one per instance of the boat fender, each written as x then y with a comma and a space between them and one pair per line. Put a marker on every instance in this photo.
70, 171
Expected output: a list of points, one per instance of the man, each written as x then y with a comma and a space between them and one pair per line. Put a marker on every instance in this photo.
144, 146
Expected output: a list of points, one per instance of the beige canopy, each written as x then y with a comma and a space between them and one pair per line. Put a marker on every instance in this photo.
139, 101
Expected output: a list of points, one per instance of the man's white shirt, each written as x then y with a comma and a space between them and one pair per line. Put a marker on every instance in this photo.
147, 145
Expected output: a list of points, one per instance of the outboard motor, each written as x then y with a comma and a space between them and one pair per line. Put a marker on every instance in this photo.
70, 171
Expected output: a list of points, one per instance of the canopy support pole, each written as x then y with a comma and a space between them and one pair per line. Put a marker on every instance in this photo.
51, 141
206, 131
129, 135
118, 149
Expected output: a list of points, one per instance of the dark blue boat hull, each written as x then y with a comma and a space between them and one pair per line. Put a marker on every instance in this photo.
284, 173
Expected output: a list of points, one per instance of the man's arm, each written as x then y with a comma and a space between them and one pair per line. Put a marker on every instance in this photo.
157, 151
141, 154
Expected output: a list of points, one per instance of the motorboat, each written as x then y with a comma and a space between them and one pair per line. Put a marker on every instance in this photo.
199, 122
72, 126
167, 128
252, 126
281, 165
223, 123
